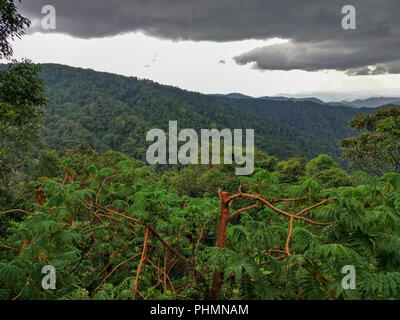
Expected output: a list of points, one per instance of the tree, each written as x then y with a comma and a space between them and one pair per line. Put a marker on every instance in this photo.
12, 26
21, 99
322, 162
334, 177
291, 169
325, 171
226, 202
21, 94
264, 161
377, 148
49, 165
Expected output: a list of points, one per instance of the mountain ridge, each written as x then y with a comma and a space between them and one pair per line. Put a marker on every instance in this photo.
111, 111
372, 102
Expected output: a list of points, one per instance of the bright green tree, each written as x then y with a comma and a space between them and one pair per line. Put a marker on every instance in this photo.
377, 148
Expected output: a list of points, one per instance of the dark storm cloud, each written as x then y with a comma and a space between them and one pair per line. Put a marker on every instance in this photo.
363, 58
317, 40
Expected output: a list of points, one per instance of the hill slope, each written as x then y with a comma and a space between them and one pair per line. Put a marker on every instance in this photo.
114, 112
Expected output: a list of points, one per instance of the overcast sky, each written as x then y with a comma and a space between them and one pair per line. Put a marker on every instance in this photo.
255, 47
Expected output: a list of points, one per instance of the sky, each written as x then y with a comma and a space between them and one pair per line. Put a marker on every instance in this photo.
253, 47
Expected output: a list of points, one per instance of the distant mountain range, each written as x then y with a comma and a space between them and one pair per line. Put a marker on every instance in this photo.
372, 102
359, 103
274, 98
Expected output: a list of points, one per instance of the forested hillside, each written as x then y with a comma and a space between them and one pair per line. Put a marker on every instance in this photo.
114, 112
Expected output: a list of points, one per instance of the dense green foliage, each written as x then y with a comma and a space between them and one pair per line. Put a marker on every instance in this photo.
114, 112
377, 148
21, 98
92, 228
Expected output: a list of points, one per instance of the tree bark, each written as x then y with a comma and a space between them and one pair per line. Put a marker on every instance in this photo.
223, 225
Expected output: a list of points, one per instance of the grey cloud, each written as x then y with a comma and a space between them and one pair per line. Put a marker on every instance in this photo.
363, 71
317, 40
395, 66
360, 59
372, 70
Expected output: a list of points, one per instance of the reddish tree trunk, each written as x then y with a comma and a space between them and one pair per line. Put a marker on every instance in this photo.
223, 225
40, 196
